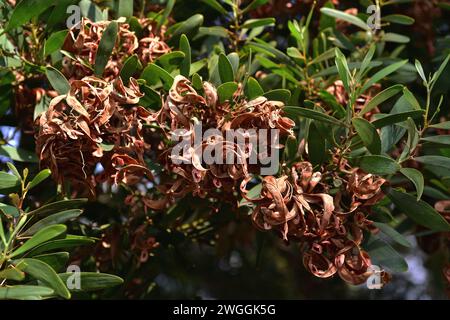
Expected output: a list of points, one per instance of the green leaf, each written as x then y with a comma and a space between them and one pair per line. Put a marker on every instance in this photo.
396, 38
253, 89
393, 234
346, 17
187, 27
420, 71
21, 292
57, 218
27, 9
416, 178
58, 206
441, 69
384, 255
343, 70
419, 211
68, 242
43, 272
316, 146
386, 120
9, 210
295, 112
153, 73
130, 67
225, 69
216, 6
170, 59
409, 96
226, 91
253, 5
41, 176
55, 42
8, 181
55, 260
282, 95
185, 47
443, 125
167, 10
91, 281
253, 193
105, 47
40, 237
327, 55
18, 154
381, 97
57, 80
215, 31
12, 273
151, 98
380, 165
437, 161
255, 23
399, 19
368, 134
91, 10
441, 139
125, 8
383, 73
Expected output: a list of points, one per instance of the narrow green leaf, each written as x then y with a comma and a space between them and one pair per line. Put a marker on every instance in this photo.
68, 242
18, 154
153, 73
419, 69
57, 80
381, 97
41, 176
58, 206
216, 6
91, 281
295, 112
419, 211
384, 255
185, 68
437, 161
343, 70
399, 19
416, 178
393, 234
56, 260
125, 8
383, 73
443, 125
22, 292
386, 120
441, 69
441, 139
43, 272
345, 17
380, 165
167, 10
12, 273
368, 134
40, 237
255, 23
57, 218
105, 47
396, 38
